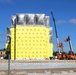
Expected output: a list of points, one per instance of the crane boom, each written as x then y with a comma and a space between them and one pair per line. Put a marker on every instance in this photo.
55, 30
54, 24
70, 44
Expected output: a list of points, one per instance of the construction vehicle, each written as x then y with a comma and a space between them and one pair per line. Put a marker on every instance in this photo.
75, 56
61, 54
71, 54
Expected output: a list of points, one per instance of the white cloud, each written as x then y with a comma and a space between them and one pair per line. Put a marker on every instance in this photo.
72, 21
61, 22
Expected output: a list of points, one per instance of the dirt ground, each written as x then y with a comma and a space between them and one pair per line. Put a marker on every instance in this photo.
35, 61
38, 72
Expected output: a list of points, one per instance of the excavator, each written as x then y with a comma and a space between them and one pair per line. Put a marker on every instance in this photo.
71, 54
60, 54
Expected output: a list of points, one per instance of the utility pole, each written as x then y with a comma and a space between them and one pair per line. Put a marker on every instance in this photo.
8, 63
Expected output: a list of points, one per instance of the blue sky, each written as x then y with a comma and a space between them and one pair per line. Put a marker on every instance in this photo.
64, 12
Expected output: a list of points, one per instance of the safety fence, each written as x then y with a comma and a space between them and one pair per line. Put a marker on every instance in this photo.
35, 67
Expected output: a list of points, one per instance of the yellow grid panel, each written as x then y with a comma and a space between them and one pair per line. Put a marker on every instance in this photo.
31, 42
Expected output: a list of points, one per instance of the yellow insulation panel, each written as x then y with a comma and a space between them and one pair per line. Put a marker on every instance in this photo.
31, 42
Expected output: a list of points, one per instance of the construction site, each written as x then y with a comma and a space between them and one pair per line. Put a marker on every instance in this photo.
29, 37
29, 48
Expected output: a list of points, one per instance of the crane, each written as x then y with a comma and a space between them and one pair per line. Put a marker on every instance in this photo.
57, 40
60, 55
71, 54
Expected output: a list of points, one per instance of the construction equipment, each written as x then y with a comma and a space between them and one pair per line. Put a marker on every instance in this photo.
61, 54
57, 40
71, 54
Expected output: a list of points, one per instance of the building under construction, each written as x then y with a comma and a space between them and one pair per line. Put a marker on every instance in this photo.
29, 37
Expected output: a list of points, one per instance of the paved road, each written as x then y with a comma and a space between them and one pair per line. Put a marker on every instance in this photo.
37, 65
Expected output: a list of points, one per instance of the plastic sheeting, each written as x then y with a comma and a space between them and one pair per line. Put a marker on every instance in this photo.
31, 19
47, 22
20, 19
8, 39
40, 19
13, 20
8, 30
